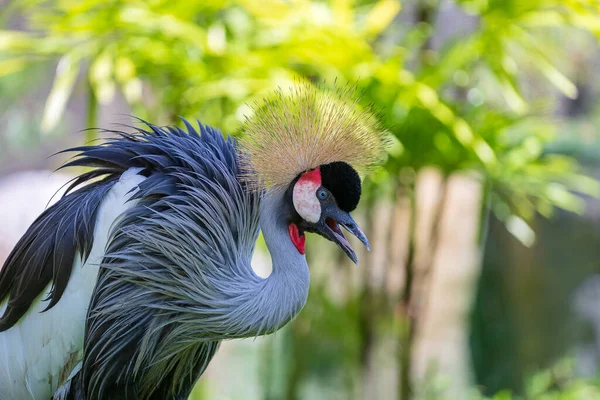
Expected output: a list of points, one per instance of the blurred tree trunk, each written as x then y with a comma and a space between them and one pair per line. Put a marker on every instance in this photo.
373, 299
406, 315
448, 286
440, 260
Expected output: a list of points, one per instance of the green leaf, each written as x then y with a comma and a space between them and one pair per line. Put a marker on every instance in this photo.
12, 65
15, 41
540, 60
511, 94
520, 230
503, 395
66, 75
380, 17
539, 383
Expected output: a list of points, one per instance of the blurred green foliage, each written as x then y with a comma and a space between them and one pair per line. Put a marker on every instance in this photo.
559, 382
459, 107
462, 106
556, 383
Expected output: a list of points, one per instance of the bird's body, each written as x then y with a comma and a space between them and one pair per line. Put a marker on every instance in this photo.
125, 287
196, 173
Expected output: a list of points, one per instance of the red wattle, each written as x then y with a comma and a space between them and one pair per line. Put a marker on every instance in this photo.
298, 239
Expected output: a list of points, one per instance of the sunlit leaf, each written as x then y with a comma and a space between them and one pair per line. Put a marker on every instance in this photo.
561, 82
539, 59
14, 41
12, 65
539, 383
216, 40
543, 18
503, 395
125, 69
66, 75
561, 197
268, 9
521, 230
343, 12
512, 95
101, 77
584, 184
102, 68
380, 16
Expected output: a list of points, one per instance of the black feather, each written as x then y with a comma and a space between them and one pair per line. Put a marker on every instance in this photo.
47, 250
343, 182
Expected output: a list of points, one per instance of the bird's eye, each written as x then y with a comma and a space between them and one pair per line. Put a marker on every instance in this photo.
322, 194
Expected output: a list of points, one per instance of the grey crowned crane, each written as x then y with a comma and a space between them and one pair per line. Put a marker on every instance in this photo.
125, 287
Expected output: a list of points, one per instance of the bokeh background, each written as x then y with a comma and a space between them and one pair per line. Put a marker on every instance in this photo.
484, 277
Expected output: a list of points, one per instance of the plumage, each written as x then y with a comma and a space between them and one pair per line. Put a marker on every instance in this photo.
343, 182
38, 352
47, 251
303, 128
170, 253
125, 287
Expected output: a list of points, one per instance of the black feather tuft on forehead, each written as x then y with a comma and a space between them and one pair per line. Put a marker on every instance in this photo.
343, 182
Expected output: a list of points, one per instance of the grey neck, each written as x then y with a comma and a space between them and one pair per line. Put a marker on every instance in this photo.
274, 226
284, 292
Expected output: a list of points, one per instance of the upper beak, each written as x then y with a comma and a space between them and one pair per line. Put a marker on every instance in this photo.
330, 223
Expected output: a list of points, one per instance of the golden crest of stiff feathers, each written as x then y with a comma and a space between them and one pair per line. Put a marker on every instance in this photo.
296, 131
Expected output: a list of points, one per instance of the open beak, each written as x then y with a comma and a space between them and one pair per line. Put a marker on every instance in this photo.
332, 219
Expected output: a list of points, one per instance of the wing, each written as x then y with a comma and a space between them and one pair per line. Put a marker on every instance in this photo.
46, 252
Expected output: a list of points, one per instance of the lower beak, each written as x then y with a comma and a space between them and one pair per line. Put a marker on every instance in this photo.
332, 231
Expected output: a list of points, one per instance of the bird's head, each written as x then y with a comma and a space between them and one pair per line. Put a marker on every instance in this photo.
322, 200
312, 144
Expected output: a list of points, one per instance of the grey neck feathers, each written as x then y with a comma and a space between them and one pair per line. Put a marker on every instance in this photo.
283, 294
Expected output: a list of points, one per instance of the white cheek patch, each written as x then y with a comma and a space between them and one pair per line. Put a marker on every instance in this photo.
305, 199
